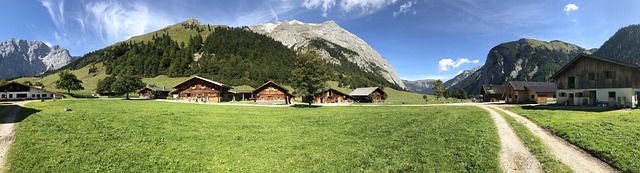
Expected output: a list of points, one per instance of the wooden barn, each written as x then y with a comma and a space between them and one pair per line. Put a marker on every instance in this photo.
333, 96
272, 94
592, 80
529, 92
492, 93
18, 91
199, 89
154, 92
370, 94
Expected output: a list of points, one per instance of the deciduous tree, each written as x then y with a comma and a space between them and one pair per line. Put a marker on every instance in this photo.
68, 81
104, 85
126, 83
309, 75
438, 89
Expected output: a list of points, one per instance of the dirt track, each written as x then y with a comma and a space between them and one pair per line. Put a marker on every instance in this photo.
569, 154
8, 114
514, 155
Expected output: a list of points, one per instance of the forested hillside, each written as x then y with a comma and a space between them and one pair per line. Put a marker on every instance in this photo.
234, 56
623, 46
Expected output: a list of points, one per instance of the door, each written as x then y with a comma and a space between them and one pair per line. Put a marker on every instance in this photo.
592, 98
571, 99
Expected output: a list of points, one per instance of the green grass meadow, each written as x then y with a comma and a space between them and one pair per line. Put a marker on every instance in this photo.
613, 136
150, 136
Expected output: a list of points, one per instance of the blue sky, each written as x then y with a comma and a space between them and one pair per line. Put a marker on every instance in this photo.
420, 38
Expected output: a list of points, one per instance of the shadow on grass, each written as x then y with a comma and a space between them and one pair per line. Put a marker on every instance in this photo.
305, 106
21, 113
571, 108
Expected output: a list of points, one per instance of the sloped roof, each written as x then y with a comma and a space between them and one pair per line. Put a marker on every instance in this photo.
37, 88
584, 55
535, 86
493, 89
156, 89
364, 91
336, 91
204, 79
240, 91
261, 87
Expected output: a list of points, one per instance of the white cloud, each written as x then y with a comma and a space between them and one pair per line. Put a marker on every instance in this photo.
325, 5
570, 8
113, 21
56, 11
404, 8
445, 64
365, 7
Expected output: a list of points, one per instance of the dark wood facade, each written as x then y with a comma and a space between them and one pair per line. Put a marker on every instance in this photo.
199, 89
154, 93
592, 80
370, 94
333, 96
529, 92
272, 93
492, 93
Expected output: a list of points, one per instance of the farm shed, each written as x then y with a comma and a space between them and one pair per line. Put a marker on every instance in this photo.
370, 94
529, 92
242, 95
593, 80
154, 92
272, 94
198, 88
492, 93
333, 96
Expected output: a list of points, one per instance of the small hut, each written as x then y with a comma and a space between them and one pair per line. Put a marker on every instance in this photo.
154, 92
370, 94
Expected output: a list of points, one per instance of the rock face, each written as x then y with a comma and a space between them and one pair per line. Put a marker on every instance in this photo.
30, 58
460, 77
423, 86
522, 60
299, 35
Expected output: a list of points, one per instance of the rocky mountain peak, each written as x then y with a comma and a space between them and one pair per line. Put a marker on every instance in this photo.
298, 35
30, 58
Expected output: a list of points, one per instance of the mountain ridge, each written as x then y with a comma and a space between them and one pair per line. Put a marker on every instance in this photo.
19, 58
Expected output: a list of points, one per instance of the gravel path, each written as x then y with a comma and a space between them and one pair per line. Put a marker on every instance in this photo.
567, 153
8, 113
514, 155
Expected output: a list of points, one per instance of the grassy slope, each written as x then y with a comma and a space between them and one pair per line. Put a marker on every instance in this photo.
89, 81
612, 136
177, 32
535, 145
150, 136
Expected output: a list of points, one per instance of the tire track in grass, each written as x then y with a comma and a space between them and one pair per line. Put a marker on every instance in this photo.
535, 145
569, 154
514, 155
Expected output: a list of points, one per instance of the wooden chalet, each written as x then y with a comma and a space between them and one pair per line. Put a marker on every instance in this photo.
241, 95
201, 89
529, 92
370, 94
272, 93
333, 96
593, 80
492, 93
154, 92
18, 91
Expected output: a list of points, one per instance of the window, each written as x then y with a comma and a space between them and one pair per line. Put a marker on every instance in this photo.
578, 94
572, 82
554, 96
3, 96
592, 76
33, 95
563, 94
509, 96
21, 95
516, 96
533, 96
608, 75
612, 94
